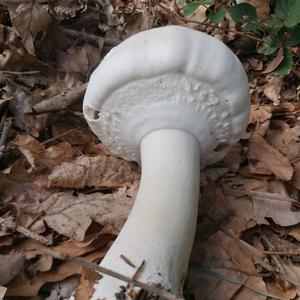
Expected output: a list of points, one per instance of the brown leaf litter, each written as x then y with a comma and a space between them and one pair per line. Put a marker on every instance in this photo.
60, 186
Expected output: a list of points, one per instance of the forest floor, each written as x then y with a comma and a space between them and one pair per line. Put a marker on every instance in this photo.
63, 192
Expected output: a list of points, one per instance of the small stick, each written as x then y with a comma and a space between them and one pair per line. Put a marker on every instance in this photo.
19, 73
32, 235
59, 136
94, 267
284, 253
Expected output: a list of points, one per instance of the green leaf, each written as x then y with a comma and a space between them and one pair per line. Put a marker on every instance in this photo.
293, 38
270, 45
253, 27
243, 12
191, 7
286, 65
288, 11
274, 23
217, 16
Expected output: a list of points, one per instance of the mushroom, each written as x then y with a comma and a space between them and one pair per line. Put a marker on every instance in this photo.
172, 99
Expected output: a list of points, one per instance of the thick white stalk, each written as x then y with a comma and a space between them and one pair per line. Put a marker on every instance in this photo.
161, 226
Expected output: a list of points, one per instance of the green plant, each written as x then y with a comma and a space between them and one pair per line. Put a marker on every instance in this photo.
278, 32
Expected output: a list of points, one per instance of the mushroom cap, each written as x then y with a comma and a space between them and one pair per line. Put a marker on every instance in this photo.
170, 77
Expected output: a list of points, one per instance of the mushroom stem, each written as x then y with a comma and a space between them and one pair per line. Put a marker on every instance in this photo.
161, 226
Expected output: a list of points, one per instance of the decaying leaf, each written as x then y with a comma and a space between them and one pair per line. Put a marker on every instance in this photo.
272, 89
29, 18
286, 141
97, 171
11, 266
219, 270
261, 117
72, 216
269, 158
36, 153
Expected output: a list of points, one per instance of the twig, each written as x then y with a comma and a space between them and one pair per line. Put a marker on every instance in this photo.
244, 284
264, 196
6, 127
19, 73
32, 235
59, 136
60, 101
81, 35
5, 130
282, 253
211, 25
94, 267
252, 274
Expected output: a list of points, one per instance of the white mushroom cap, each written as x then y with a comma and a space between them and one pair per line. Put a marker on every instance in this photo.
168, 78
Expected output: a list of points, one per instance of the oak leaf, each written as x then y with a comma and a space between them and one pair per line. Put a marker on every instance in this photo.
71, 216
97, 171
29, 18
269, 158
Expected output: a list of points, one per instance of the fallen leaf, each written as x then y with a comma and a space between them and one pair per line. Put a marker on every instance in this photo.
80, 60
29, 18
97, 171
261, 116
262, 7
42, 265
291, 273
11, 266
272, 90
63, 289
71, 216
296, 177
2, 292
216, 271
36, 153
279, 291
269, 158
272, 66
286, 141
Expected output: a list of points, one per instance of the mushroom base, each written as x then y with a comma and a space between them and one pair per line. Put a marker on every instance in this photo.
161, 226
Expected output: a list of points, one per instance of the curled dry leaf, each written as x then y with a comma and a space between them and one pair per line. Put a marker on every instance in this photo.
72, 216
29, 18
36, 153
261, 116
286, 141
272, 89
11, 265
268, 158
97, 171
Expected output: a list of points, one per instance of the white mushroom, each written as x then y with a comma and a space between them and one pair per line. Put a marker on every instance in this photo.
170, 98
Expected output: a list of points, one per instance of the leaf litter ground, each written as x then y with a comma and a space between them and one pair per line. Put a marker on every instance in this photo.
61, 188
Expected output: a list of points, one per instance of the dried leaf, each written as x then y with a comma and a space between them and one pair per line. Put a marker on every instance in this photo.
272, 89
214, 261
269, 158
42, 265
273, 65
2, 292
261, 116
29, 18
286, 141
80, 60
11, 265
296, 177
72, 216
36, 153
94, 171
